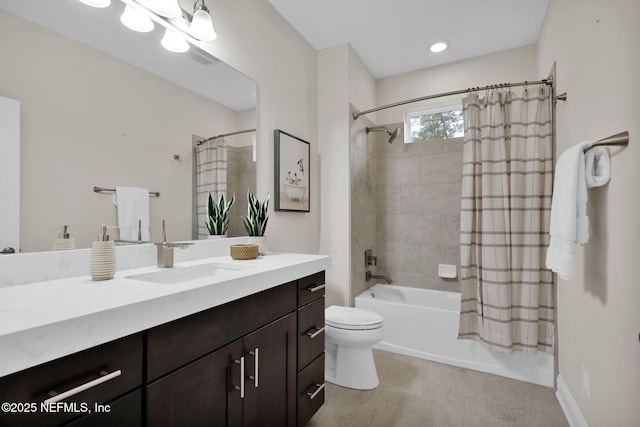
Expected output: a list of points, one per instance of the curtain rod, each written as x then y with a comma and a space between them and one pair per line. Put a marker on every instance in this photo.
225, 134
548, 81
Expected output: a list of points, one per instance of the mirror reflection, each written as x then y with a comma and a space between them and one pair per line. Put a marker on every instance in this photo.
103, 106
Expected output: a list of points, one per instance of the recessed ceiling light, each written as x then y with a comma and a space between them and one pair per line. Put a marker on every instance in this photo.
438, 47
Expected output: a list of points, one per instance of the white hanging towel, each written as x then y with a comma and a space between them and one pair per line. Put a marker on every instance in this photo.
569, 222
133, 206
597, 167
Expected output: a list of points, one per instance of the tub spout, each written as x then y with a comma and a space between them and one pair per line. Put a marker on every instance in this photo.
369, 276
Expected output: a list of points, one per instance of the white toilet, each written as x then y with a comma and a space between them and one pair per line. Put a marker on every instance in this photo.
349, 335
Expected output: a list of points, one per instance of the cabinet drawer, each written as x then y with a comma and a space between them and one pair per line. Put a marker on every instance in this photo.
84, 368
310, 288
310, 332
310, 390
177, 343
123, 412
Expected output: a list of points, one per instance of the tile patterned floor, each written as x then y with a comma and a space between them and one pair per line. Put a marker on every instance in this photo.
419, 393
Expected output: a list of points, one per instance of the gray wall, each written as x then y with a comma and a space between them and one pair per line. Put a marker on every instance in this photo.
410, 195
241, 176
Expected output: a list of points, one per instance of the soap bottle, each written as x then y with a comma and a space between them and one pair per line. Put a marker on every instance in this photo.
102, 261
63, 241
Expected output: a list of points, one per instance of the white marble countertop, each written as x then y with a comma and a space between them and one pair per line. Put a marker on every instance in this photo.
46, 320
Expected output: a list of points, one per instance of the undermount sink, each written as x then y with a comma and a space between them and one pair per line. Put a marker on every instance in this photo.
214, 271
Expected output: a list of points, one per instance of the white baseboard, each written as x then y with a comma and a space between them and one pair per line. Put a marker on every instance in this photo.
569, 406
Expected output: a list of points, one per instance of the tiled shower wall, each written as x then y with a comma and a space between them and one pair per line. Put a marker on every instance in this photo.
241, 175
409, 194
419, 187
364, 182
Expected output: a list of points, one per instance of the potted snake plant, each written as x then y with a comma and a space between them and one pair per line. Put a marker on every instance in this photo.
218, 215
256, 220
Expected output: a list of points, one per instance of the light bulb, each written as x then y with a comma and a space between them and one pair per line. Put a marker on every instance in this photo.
166, 8
96, 3
201, 25
135, 20
174, 42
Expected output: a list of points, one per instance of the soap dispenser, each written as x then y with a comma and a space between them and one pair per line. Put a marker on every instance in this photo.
63, 241
102, 261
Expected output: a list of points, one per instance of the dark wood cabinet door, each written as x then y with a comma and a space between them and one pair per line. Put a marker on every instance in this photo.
201, 393
270, 398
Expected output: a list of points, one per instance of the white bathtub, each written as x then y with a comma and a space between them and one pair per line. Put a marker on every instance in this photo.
294, 192
424, 323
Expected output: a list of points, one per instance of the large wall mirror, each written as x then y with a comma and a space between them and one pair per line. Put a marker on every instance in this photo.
101, 105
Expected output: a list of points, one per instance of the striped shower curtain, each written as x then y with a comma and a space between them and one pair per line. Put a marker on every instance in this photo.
507, 293
211, 177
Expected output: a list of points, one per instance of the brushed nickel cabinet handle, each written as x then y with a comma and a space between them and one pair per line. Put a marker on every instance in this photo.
105, 376
240, 388
317, 332
315, 393
316, 288
256, 354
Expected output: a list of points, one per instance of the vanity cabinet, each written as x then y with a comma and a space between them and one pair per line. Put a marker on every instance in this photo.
105, 378
249, 382
255, 361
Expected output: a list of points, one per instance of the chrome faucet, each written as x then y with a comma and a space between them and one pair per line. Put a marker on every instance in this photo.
165, 250
369, 259
369, 276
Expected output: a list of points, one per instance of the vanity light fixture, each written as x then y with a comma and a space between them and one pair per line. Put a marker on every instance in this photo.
97, 3
136, 20
180, 27
201, 26
438, 46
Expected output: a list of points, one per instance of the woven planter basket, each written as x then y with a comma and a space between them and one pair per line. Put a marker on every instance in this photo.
247, 251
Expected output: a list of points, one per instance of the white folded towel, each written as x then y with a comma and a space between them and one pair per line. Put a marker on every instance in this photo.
597, 167
133, 206
569, 222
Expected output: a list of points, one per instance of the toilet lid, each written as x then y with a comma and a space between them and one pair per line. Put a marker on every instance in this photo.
351, 318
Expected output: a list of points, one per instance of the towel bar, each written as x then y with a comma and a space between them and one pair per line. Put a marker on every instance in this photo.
621, 138
112, 190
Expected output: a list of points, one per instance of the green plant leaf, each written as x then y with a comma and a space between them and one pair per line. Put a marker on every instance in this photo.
218, 214
255, 223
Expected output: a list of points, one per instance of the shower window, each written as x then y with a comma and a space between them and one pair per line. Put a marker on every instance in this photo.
434, 124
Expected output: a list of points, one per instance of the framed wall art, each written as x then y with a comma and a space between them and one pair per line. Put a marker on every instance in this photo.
291, 172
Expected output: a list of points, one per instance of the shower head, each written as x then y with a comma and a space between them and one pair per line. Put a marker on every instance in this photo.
392, 134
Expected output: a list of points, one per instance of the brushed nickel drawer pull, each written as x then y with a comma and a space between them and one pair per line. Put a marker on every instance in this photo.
315, 393
317, 332
240, 388
316, 288
105, 376
255, 353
